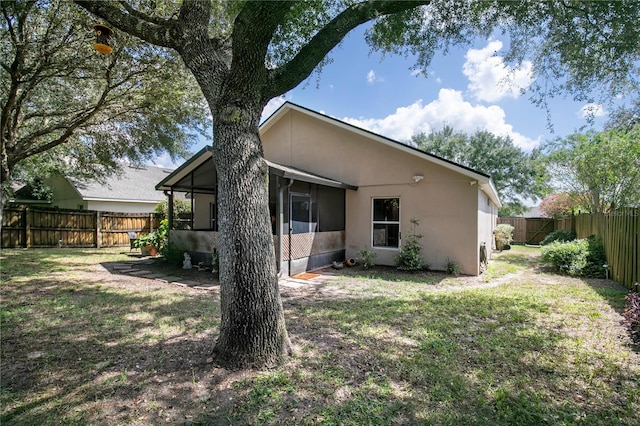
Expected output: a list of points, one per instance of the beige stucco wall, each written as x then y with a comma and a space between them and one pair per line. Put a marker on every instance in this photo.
201, 209
64, 195
487, 213
444, 202
121, 206
196, 241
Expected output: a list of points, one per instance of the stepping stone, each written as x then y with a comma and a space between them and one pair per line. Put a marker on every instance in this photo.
121, 267
213, 287
168, 279
154, 276
140, 272
187, 283
293, 283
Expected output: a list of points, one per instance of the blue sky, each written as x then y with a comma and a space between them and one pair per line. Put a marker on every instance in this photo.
469, 89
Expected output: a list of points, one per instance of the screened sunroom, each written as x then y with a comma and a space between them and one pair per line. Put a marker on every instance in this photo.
307, 211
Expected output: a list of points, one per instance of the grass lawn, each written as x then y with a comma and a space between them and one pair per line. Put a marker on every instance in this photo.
516, 346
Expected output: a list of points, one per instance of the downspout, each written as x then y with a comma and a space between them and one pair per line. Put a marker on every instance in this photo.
169, 196
280, 222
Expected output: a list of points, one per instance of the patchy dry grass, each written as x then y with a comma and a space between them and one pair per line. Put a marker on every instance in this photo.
516, 346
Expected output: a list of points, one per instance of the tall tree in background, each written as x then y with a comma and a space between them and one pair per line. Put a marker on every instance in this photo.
625, 118
68, 109
244, 53
601, 171
518, 176
559, 205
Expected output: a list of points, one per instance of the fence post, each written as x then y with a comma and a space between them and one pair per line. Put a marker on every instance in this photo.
98, 237
27, 228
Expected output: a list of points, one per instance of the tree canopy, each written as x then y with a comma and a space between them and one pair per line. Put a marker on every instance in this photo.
599, 170
559, 205
517, 175
244, 53
69, 109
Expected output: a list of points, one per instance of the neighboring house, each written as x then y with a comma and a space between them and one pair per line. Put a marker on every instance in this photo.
534, 211
336, 189
131, 192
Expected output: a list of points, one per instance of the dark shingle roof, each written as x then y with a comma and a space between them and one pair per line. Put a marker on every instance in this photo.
135, 183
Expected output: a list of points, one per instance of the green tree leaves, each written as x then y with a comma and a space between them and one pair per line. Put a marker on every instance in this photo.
600, 170
516, 174
69, 109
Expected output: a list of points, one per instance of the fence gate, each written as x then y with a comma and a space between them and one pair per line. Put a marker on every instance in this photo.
528, 230
538, 228
42, 227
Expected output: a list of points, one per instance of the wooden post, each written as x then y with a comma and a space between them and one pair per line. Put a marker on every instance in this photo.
98, 238
27, 228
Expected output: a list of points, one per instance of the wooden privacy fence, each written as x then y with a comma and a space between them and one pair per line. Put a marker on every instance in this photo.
40, 227
531, 230
620, 233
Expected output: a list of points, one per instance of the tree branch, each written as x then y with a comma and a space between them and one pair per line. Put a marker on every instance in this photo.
288, 76
156, 31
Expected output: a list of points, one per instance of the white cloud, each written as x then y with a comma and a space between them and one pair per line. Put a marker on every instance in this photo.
273, 105
490, 79
449, 109
592, 110
373, 78
164, 161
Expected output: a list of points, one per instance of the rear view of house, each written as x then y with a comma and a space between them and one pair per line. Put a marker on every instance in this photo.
335, 189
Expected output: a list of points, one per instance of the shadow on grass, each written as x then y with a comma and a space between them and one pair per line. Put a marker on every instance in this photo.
476, 358
85, 355
99, 354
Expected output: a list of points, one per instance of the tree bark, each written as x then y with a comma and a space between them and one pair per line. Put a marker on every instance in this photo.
252, 329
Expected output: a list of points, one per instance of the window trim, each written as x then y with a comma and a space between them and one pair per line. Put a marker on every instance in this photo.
374, 222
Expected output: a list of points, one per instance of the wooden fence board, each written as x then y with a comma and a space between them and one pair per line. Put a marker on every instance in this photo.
528, 230
619, 230
39, 227
620, 233
519, 228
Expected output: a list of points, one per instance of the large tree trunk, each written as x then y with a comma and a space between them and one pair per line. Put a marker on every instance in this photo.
252, 331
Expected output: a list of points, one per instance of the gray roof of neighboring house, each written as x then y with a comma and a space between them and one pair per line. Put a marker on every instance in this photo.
535, 211
135, 183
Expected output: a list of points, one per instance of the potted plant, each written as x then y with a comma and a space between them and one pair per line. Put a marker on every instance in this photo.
153, 243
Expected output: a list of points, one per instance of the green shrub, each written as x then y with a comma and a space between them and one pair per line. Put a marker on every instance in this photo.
368, 258
559, 235
215, 261
504, 235
567, 257
453, 267
596, 258
173, 254
580, 257
157, 238
409, 257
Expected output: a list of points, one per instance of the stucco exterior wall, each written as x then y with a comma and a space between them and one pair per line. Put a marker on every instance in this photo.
202, 210
444, 201
121, 206
487, 214
64, 195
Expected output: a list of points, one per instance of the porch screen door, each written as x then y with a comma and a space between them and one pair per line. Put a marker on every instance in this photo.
300, 213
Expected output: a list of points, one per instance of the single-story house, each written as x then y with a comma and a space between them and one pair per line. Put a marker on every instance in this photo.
336, 189
133, 191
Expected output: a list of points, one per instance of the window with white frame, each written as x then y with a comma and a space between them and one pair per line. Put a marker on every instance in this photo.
385, 224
